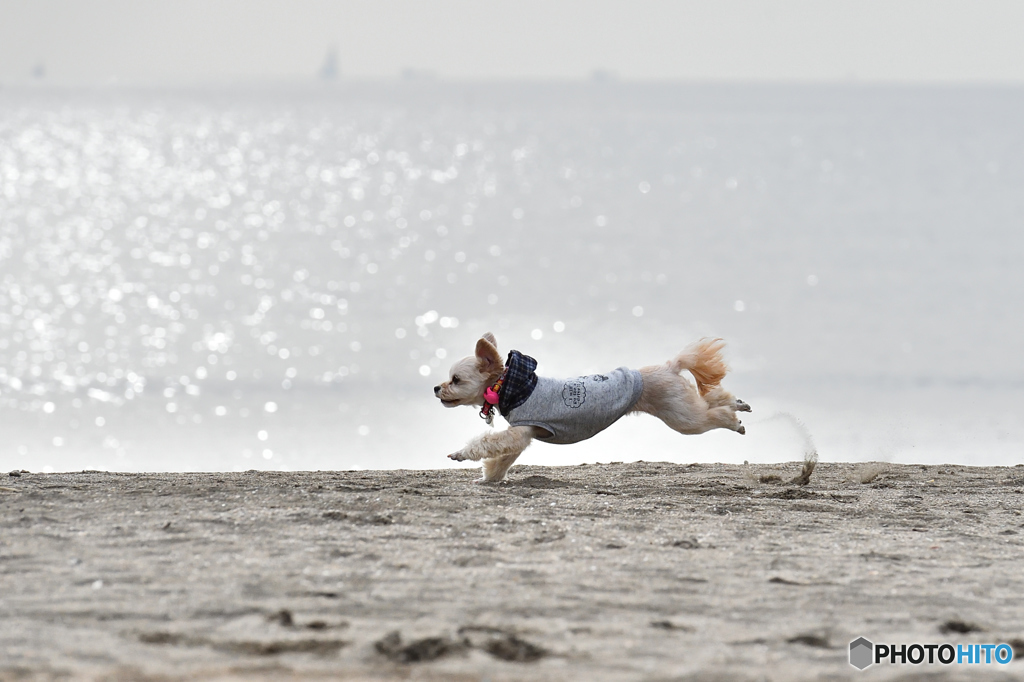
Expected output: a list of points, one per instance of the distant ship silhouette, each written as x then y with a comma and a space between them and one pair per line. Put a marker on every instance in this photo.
329, 69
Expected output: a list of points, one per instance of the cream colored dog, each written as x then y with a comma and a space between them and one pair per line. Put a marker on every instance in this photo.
484, 381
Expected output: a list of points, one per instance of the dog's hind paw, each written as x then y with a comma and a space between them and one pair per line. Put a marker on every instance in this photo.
742, 406
742, 430
458, 457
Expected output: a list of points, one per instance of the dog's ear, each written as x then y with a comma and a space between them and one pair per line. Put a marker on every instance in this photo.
487, 355
490, 337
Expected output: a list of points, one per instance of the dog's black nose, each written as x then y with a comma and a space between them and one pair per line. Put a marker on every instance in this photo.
437, 389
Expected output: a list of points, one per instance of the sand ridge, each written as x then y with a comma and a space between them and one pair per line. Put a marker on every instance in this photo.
606, 572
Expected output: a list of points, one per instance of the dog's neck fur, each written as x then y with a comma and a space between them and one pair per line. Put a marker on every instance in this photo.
492, 379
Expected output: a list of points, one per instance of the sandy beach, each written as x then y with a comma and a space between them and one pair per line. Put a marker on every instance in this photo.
638, 571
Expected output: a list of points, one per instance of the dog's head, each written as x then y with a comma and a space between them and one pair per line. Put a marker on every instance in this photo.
469, 376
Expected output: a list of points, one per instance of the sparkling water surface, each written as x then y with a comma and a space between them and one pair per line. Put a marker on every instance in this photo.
276, 278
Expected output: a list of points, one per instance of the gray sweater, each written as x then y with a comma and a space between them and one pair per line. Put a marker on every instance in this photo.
576, 409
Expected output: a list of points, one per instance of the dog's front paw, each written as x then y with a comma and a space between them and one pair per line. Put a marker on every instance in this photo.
742, 406
458, 457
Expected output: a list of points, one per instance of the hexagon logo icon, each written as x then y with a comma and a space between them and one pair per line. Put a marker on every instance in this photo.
862, 653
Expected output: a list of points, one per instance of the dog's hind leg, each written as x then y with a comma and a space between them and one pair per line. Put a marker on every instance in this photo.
675, 401
692, 424
719, 397
725, 418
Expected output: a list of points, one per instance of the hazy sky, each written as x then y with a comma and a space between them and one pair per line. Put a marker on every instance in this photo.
83, 42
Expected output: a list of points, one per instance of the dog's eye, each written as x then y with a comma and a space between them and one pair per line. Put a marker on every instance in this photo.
456, 379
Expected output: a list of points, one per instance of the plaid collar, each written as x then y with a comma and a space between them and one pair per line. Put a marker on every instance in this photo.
519, 382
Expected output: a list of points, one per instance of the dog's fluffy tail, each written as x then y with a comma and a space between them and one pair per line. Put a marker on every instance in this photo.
703, 360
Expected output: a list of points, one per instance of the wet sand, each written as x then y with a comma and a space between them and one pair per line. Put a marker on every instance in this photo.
641, 571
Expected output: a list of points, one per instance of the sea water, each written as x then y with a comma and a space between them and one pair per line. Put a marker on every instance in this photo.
275, 278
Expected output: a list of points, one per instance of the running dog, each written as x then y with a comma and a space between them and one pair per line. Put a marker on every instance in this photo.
571, 410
